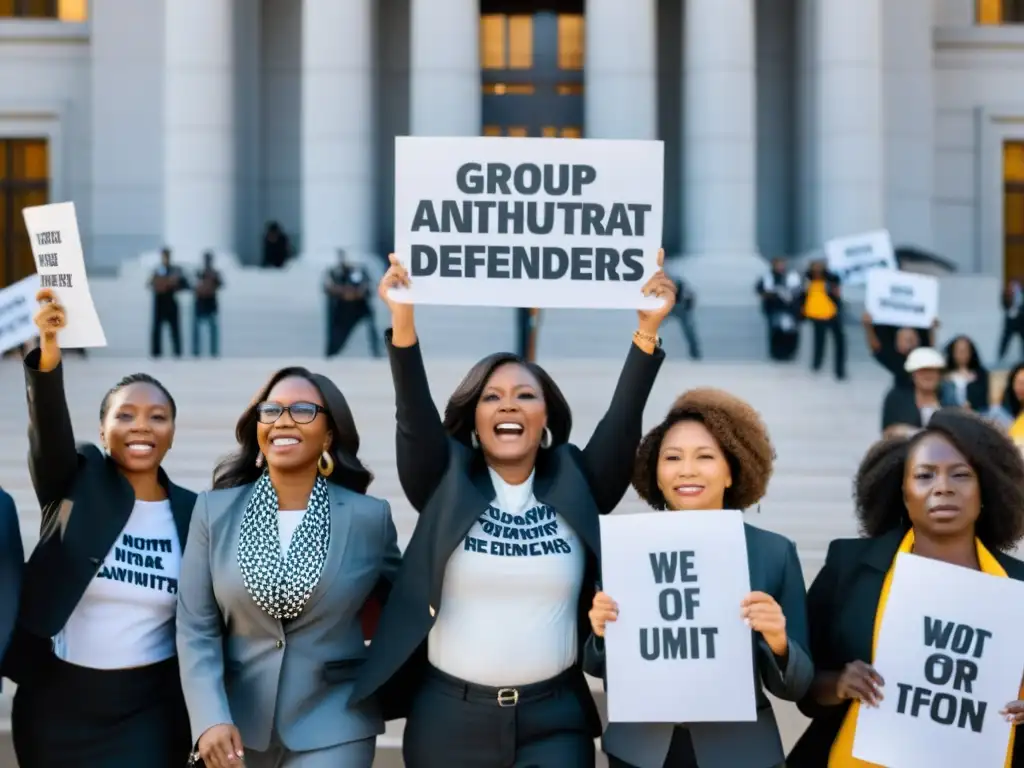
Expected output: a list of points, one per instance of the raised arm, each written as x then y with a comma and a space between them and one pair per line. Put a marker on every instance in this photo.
52, 458
421, 443
789, 678
200, 635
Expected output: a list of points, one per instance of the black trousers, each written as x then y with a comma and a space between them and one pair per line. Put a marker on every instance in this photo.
165, 313
342, 319
454, 724
680, 753
69, 716
821, 329
1012, 326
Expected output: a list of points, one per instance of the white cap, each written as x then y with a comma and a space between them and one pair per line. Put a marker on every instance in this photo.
923, 358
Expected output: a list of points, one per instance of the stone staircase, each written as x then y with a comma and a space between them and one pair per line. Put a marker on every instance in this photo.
820, 427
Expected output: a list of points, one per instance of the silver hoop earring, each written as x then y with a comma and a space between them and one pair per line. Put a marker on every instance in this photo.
546, 438
473, 439
259, 460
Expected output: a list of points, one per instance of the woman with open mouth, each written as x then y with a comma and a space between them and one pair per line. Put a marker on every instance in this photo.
481, 642
93, 653
284, 554
953, 492
712, 452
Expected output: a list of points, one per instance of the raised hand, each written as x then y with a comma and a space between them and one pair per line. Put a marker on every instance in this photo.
662, 286
403, 328
49, 319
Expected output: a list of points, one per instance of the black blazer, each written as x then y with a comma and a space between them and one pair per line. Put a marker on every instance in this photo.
841, 606
12, 564
448, 483
76, 537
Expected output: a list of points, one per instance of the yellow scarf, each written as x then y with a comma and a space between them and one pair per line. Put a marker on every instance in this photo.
1017, 430
819, 305
841, 755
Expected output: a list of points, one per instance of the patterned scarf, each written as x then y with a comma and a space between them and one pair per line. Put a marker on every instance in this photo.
281, 587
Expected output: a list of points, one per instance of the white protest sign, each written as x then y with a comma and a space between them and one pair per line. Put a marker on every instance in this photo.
902, 299
679, 579
854, 258
510, 222
57, 249
950, 652
17, 308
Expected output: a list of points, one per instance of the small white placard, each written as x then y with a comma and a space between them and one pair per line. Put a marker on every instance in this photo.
854, 258
60, 263
17, 309
679, 579
902, 299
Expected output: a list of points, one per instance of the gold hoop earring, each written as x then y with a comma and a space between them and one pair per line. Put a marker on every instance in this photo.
325, 464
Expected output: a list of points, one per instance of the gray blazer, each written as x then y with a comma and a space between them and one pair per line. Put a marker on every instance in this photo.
774, 569
240, 666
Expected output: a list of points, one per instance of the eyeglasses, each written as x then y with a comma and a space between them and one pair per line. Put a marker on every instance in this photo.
301, 413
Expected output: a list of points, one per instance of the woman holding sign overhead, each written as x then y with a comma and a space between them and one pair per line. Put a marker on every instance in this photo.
711, 452
93, 653
953, 492
480, 643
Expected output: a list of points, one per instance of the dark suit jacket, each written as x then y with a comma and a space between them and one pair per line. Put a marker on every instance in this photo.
841, 607
12, 564
447, 482
75, 537
774, 569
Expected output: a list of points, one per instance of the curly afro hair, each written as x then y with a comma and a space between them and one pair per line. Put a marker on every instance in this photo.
878, 486
737, 428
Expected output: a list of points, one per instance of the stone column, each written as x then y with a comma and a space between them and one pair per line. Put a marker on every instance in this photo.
444, 78
621, 71
850, 129
337, 127
199, 127
720, 148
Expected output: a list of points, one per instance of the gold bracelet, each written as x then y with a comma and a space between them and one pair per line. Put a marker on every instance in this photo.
654, 341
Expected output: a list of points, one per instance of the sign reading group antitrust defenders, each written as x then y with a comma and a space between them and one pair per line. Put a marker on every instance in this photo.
528, 222
679, 579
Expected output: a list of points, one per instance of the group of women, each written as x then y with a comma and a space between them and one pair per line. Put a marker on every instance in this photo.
158, 626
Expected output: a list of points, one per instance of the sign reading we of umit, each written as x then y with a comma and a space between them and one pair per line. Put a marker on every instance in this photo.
513, 222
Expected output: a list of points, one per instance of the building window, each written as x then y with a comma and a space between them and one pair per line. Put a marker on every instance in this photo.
492, 130
519, 131
570, 41
24, 182
508, 89
506, 42
565, 132
569, 89
1013, 210
64, 10
996, 12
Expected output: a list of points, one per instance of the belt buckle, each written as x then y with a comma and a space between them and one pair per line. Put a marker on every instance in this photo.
508, 697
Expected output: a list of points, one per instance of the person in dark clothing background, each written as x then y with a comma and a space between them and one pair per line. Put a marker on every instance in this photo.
780, 293
823, 306
208, 284
277, 249
348, 304
686, 301
165, 283
890, 346
12, 566
907, 410
527, 328
1013, 318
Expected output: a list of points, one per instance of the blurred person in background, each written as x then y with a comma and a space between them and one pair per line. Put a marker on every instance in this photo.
1008, 413
347, 286
277, 248
12, 565
206, 311
823, 306
166, 282
890, 346
686, 302
966, 374
1013, 318
908, 410
780, 292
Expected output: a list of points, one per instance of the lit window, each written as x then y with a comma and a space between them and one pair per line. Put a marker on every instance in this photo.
572, 132
570, 41
24, 182
65, 10
492, 41
520, 42
73, 10
518, 131
569, 89
492, 130
508, 89
549, 132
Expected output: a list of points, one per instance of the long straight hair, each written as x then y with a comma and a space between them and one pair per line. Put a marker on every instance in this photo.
239, 468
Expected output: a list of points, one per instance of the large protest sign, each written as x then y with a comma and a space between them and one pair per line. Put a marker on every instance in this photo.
60, 263
17, 308
528, 222
950, 652
902, 299
679, 579
854, 258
